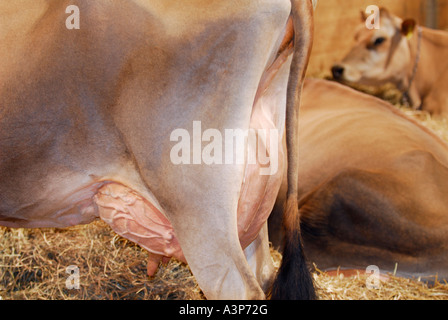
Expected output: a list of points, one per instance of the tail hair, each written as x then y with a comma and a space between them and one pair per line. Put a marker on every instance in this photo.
294, 280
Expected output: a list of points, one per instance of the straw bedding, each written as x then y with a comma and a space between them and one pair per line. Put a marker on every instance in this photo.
33, 265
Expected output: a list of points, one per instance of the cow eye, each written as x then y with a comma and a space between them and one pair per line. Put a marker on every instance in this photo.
379, 41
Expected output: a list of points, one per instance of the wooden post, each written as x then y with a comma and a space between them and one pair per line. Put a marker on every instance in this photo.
442, 14
431, 19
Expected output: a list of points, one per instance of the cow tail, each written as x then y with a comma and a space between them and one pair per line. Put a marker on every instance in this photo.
294, 279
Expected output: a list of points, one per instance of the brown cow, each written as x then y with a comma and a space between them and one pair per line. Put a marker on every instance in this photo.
88, 116
411, 57
373, 185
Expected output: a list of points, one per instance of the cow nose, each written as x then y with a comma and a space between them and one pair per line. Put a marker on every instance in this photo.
337, 72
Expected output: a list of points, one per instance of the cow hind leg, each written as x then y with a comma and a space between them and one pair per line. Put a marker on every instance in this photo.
216, 258
260, 260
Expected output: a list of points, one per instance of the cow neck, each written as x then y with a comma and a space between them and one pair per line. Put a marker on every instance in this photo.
406, 93
432, 66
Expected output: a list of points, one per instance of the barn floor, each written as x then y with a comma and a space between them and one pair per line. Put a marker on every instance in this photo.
34, 262
33, 265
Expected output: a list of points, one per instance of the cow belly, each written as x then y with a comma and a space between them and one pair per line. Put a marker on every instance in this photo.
64, 209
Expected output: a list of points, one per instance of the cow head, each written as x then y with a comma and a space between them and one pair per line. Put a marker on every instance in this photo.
379, 55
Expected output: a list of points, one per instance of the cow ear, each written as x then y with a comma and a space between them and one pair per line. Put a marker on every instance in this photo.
408, 27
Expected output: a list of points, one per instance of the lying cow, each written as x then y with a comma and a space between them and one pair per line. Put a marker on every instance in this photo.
87, 119
411, 57
373, 185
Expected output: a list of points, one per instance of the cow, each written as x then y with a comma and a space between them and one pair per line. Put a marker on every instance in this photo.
88, 116
405, 54
373, 186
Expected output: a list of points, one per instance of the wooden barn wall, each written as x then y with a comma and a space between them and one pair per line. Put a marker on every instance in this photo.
442, 14
336, 20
